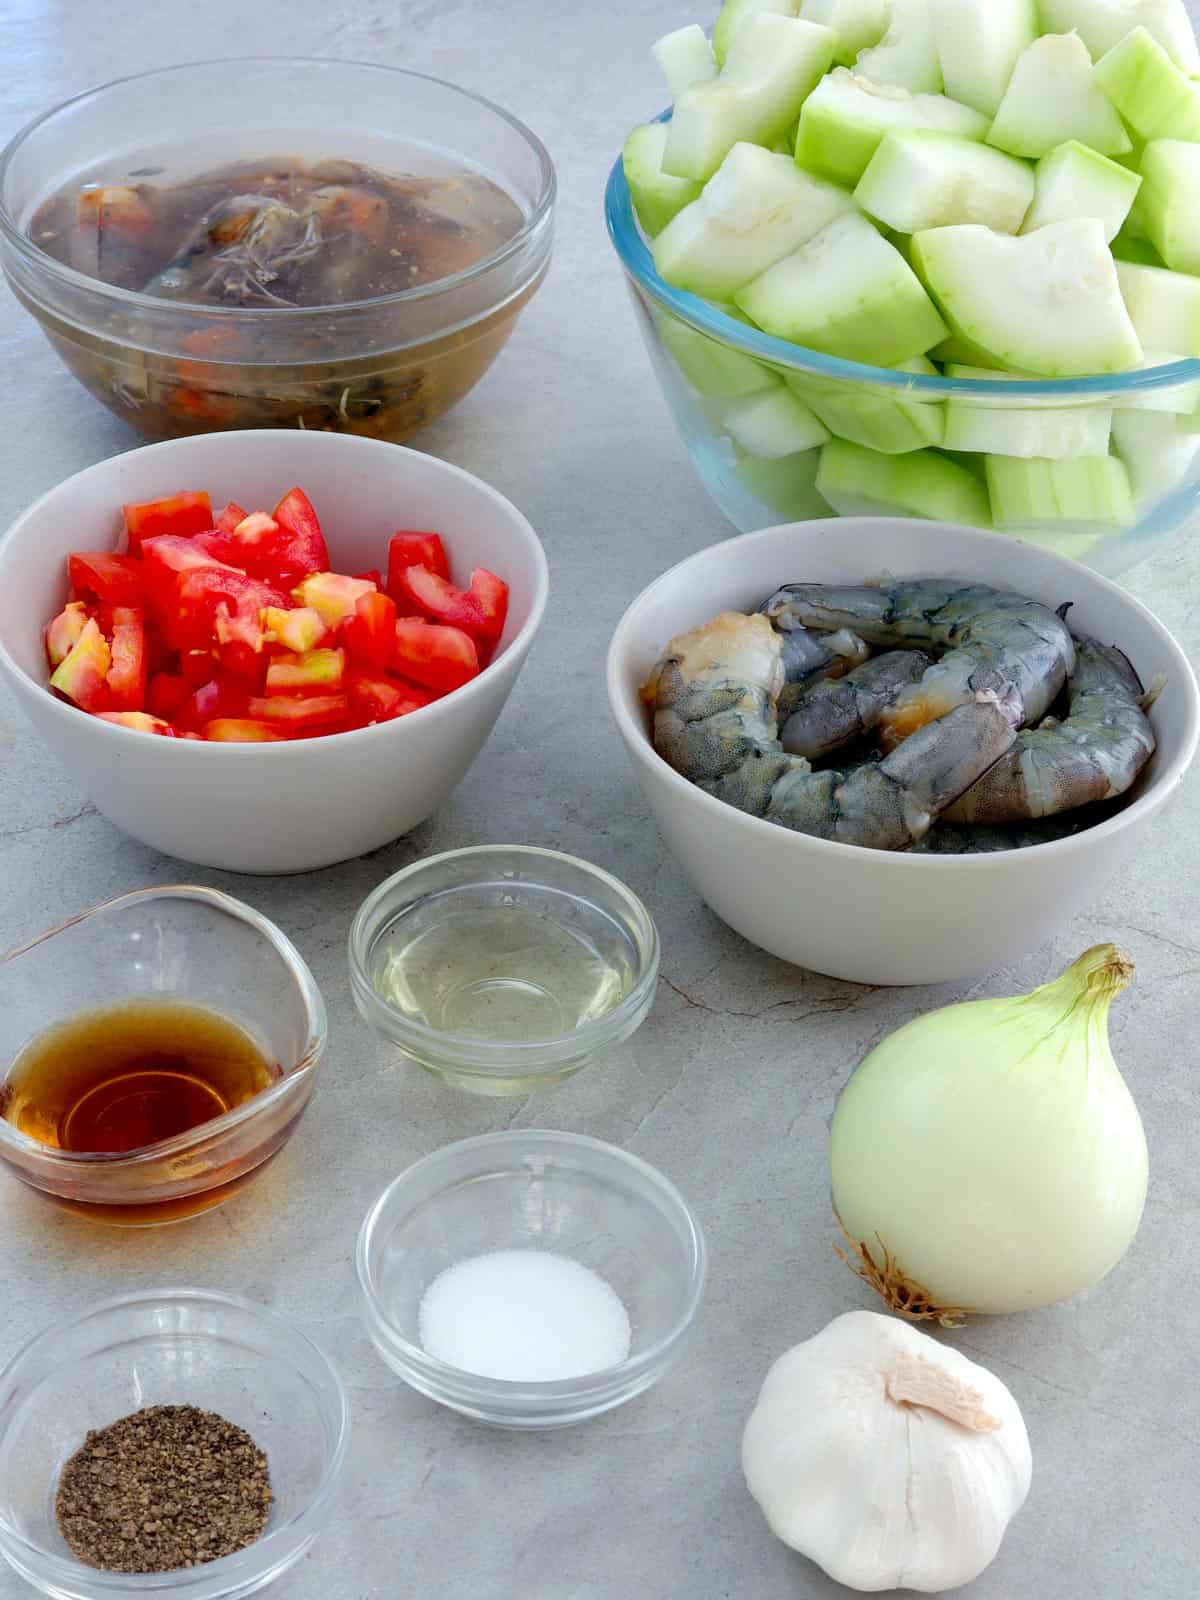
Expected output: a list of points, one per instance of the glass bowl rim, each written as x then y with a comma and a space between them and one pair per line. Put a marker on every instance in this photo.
228, 1121
233, 1566
20, 242
703, 315
564, 1389
508, 1057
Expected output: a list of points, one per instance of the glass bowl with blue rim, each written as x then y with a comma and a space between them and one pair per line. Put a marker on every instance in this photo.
780, 433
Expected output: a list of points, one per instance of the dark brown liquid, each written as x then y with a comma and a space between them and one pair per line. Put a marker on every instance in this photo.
277, 232
130, 1075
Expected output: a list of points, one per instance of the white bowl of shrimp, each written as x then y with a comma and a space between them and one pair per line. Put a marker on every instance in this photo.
894, 905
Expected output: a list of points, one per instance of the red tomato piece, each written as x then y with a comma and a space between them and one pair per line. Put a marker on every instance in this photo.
165, 559
300, 546
242, 730
297, 714
165, 693
200, 595
479, 610
127, 668
228, 519
414, 550
374, 698
82, 675
373, 576
112, 578
436, 657
196, 667
370, 634
245, 663
217, 698
314, 672
140, 721
180, 514
63, 631
221, 547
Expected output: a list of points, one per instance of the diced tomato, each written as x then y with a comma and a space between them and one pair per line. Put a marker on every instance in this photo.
245, 663
201, 592
82, 674
300, 547
228, 519
116, 579
370, 634
140, 721
433, 656
332, 595
221, 547
296, 714
242, 730
479, 610
299, 630
127, 668
314, 672
63, 631
165, 559
196, 667
217, 698
179, 514
165, 693
372, 576
374, 698
414, 550
256, 530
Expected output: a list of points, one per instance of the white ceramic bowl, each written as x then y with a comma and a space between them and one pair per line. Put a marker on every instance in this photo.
287, 807
869, 915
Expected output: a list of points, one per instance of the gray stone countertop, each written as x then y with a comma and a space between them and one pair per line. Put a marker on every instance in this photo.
730, 1084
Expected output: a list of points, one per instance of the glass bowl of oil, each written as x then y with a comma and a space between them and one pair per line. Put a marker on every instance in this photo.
155, 1053
503, 968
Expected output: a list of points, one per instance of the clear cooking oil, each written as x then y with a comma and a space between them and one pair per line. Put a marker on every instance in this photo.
531, 967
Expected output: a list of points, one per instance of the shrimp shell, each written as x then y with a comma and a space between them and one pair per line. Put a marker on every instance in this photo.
993, 643
715, 697
1095, 753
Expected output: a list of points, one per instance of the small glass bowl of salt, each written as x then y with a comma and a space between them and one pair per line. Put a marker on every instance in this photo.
531, 1279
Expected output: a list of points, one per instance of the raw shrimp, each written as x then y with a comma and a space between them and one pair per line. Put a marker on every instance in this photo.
831, 713
1095, 753
1001, 645
810, 657
715, 697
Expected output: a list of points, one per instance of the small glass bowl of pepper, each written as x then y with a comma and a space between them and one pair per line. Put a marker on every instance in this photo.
169, 1347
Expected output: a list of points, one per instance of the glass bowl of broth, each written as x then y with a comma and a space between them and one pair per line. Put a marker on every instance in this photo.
156, 1052
276, 243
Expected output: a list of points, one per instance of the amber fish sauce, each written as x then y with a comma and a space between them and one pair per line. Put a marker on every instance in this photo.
130, 1075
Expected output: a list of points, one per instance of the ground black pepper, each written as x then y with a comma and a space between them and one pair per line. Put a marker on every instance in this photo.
165, 1488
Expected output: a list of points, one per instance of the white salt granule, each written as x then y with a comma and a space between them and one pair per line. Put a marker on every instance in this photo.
527, 1316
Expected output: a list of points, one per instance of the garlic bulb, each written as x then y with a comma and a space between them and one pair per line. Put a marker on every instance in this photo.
889, 1460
